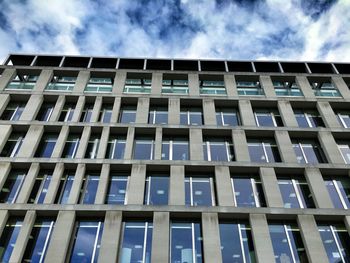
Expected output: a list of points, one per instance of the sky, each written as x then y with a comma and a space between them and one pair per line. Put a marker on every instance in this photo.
310, 30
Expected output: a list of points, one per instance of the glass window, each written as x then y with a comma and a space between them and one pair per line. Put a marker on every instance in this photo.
64, 188
127, 114
216, 149
106, 113
13, 111
158, 115
157, 190
71, 146
212, 87
41, 185
138, 85
287, 243
186, 242
136, 245
62, 83
191, 116
339, 191
100, 85
308, 119
175, 86
47, 145
116, 147
344, 148
38, 241
22, 82
13, 145
344, 118
295, 193
87, 241
12, 186
175, 148
249, 88
144, 148
67, 112
287, 89
247, 191
263, 151
117, 189
267, 118
87, 112
336, 242
92, 147
9, 237
227, 117
324, 88
308, 152
199, 191
89, 189
236, 242
45, 112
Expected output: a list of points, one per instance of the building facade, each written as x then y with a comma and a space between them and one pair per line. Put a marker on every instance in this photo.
157, 160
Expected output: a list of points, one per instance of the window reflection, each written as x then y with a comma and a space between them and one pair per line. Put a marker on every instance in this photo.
127, 114
9, 237
89, 190
157, 190
217, 149
339, 191
144, 148
64, 188
117, 189
247, 191
308, 151
199, 191
265, 151
175, 148
116, 147
227, 117
46, 145
191, 116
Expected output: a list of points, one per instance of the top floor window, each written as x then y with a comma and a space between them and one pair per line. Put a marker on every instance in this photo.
212, 86
175, 84
62, 83
286, 88
324, 88
248, 87
23, 82
138, 84
98, 84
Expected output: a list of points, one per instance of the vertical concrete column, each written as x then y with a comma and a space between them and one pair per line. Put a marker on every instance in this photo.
5, 168
54, 184
119, 83
5, 132
230, 84
4, 215
311, 238
209, 111
330, 147
193, 84
96, 110
58, 108
177, 185
223, 186
112, 229
142, 110
102, 185
318, 188
61, 235
82, 79
157, 83
102, 148
4, 100
347, 223
340, 84
240, 146
84, 140
31, 141
270, 186
43, 80
6, 77
246, 113
304, 85
77, 184
158, 144
136, 186
32, 108
287, 114
23, 236
115, 110
196, 144
268, 87
174, 111
327, 114
78, 109
28, 183
161, 237
211, 237
261, 239
60, 143
129, 146
285, 147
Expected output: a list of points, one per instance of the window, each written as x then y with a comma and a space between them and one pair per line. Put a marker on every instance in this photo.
47, 145
100, 85
92, 147
199, 191
45, 112
157, 190
175, 148
87, 241
287, 243
339, 191
41, 185
344, 118
13, 145
138, 85
64, 188
324, 88
127, 114
227, 117
295, 193
89, 189
308, 118
71, 146
217, 149
212, 87
247, 191
136, 245
9, 237
191, 116
62, 83
336, 242
38, 241
144, 148
186, 242
87, 112
116, 194
249, 87
13, 111
158, 115
287, 88
265, 151
175, 86
116, 147
308, 152
236, 242
106, 113
12, 186
267, 118
23, 82
344, 148
67, 112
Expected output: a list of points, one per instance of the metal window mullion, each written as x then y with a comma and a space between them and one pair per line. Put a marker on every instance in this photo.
289, 243
171, 150
94, 148
95, 243
211, 183
42, 256
207, 144
154, 117
48, 117
17, 145
265, 153
191, 191
256, 119
62, 189
296, 190
222, 118
302, 152
152, 148
149, 190
75, 147
342, 121
241, 242
307, 117
126, 192
335, 183
40, 189
234, 192
273, 119
193, 244
337, 243
255, 192
114, 148
144, 243
188, 118
17, 191
227, 146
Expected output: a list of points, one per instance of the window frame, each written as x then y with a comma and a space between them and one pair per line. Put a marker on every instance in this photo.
118, 178
339, 193
273, 114
174, 87
190, 179
220, 112
229, 148
17, 144
144, 140
253, 182
264, 145
176, 140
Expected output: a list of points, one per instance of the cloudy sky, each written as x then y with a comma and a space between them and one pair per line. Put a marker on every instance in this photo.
230, 29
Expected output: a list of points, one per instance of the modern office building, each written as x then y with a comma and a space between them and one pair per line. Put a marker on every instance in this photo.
182, 161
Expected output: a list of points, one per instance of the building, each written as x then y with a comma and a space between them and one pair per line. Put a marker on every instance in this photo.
159, 160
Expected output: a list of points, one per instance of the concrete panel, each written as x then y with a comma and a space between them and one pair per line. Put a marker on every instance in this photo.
31, 141
174, 111
285, 147
240, 146
28, 184
119, 83
32, 108
347, 223
230, 84
340, 84
4, 215
84, 140
60, 143
267, 85
129, 144
330, 147
312, 240
77, 184
43, 80
96, 109
209, 111
287, 114
305, 87
6, 77
4, 100
196, 144
58, 108
54, 184
5, 132
223, 186
102, 148
102, 185
115, 110
177, 185
142, 110
158, 144
78, 109
193, 84
270, 186
211, 237
328, 116
5, 168
157, 83
136, 186
246, 113
161, 237
82, 79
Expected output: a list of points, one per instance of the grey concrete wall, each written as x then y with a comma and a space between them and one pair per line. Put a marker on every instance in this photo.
77, 184
102, 148
158, 144
136, 186
347, 223
43, 80
4, 100
211, 238
115, 110
177, 185
5, 132
330, 147
28, 183
102, 185
6, 77
268, 87
96, 110
223, 186
84, 140
193, 84
5, 168
196, 144
32, 108
328, 116
142, 110
54, 184
230, 84
209, 111
60, 143
161, 237
305, 87
270, 186
157, 83
78, 109
119, 83
82, 80
246, 113
287, 114
58, 108
174, 111
4, 216
31, 141
240, 146
129, 143
285, 147
340, 84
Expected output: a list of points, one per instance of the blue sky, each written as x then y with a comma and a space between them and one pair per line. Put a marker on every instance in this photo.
215, 29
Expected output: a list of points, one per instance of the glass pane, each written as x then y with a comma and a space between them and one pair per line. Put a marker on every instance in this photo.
219, 152
165, 151
184, 118
299, 154
305, 194
157, 191
11, 188
196, 118
230, 119
90, 190
201, 192
311, 154
143, 150
288, 193
117, 190
272, 153
106, 116
302, 121
180, 150
66, 189
8, 238
243, 192
230, 243
45, 187
345, 151
256, 152
280, 243
329, 244
344, 188
333, 194
265, 120
161, 117
46, 146
127, 116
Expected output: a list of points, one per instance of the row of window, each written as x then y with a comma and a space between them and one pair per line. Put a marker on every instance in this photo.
186, 241
199, 189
